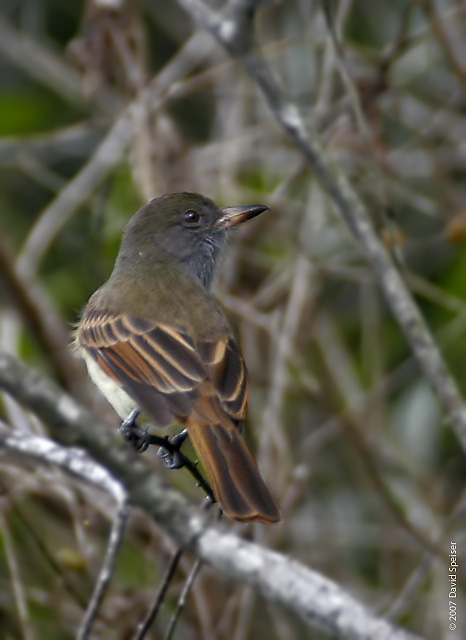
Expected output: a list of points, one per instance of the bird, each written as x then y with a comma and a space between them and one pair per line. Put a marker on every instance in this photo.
158, 345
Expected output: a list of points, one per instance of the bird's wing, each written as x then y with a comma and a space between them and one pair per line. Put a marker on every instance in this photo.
202, 385
228, 374
162, 368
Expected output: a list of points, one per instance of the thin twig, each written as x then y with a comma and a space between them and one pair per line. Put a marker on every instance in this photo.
442, 37
49, 557
183, 461
107, 155
349, 388
411, 587
353, 94
301, 289
107, 570
324, 96
42, 64
145, 626
246, 604
182, 599
36, 310
153, 611
235, 32
16, 579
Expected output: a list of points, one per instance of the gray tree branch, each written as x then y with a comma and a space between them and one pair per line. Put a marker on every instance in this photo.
80, 464
234, 29
315, 599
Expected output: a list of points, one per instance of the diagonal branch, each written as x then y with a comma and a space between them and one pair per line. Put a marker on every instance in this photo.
106, 572
315, 599
234, 29
107, 155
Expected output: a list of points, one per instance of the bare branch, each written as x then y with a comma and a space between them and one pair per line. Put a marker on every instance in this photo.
40, 63
72, 460
42, 320
107, 155
182, 599
77, 462
152, 614
442, 36
235, 31
107, 570
16, 579
317, 600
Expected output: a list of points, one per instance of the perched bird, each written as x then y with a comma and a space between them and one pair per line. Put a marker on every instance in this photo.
155, 341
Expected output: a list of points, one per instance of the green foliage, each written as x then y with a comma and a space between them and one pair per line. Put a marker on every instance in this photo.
32, 110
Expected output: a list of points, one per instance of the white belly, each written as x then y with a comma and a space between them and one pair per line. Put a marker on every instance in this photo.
113, 393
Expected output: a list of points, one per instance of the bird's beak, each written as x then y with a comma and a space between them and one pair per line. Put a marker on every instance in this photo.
231, 216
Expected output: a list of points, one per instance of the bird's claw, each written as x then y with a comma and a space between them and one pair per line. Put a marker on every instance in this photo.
139, 438
171, 455
170, 459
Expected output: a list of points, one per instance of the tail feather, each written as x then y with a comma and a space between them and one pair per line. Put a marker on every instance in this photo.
232, 472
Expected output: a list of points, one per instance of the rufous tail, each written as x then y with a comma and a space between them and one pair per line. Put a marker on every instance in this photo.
232, 472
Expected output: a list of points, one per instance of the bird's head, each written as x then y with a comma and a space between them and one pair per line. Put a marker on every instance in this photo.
187, 226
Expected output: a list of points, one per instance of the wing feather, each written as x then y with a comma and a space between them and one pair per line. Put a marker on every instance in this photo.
152, 360
228, 374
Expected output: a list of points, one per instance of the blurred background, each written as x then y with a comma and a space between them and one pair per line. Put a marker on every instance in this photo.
105, 105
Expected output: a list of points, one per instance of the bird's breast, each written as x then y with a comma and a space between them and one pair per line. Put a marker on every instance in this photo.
115, 395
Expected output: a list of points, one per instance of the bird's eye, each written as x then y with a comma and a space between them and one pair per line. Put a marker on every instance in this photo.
191, 217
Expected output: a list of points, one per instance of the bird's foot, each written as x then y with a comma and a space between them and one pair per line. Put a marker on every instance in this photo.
138, 437
170, 452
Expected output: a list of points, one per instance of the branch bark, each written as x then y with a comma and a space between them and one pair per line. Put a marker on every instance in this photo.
314, 598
